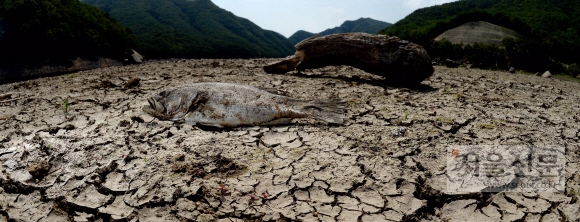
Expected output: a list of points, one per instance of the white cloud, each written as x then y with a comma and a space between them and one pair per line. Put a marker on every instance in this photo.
416, 4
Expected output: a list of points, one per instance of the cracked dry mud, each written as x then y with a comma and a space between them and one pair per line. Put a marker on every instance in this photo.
105, 160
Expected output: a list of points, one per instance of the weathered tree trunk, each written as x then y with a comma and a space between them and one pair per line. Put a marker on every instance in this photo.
399, 61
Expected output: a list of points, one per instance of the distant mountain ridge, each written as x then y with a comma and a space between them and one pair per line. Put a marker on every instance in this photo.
193, 29
366, 25
549, 31
299, 36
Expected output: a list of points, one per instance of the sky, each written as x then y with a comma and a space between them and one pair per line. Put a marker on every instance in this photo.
288, 16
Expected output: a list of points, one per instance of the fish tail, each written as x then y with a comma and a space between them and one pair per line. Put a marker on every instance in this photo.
329, 110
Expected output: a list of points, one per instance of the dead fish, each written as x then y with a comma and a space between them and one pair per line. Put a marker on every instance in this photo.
231, 105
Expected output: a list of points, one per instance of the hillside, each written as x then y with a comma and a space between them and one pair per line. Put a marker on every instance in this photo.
193, 29
549, 28
366, 25
57, 30
478, 31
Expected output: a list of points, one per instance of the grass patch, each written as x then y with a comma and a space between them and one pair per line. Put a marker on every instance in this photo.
72, 76
445, 120
556, 76
566, 77
66, 104
446, 91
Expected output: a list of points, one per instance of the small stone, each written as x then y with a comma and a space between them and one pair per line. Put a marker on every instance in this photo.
547, 74
133, 82
399, 132
39, 169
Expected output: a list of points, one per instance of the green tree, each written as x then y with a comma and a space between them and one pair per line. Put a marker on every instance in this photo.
59, 29
574, 69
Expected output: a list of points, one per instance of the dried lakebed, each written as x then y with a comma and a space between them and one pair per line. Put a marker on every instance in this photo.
78, 147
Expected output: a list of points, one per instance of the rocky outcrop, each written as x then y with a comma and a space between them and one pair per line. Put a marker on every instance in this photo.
400, 62
452, 63
133, 57
547, 74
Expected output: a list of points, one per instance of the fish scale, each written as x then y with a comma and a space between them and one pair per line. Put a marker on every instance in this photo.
230, 105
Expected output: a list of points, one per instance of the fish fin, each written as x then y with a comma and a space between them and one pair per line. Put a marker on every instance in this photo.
214, 125
281, 121
199, 99
330, 110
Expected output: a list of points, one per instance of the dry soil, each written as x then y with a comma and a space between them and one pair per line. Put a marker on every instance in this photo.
78, 147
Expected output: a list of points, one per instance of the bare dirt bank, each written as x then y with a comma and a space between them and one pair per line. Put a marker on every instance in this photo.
97, 156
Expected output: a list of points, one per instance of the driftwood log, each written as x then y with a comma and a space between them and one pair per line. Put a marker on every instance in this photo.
399, 61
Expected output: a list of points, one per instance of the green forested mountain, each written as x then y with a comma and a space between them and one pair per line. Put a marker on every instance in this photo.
193, 29
299, 36
549, 29
366, 25
35, 30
